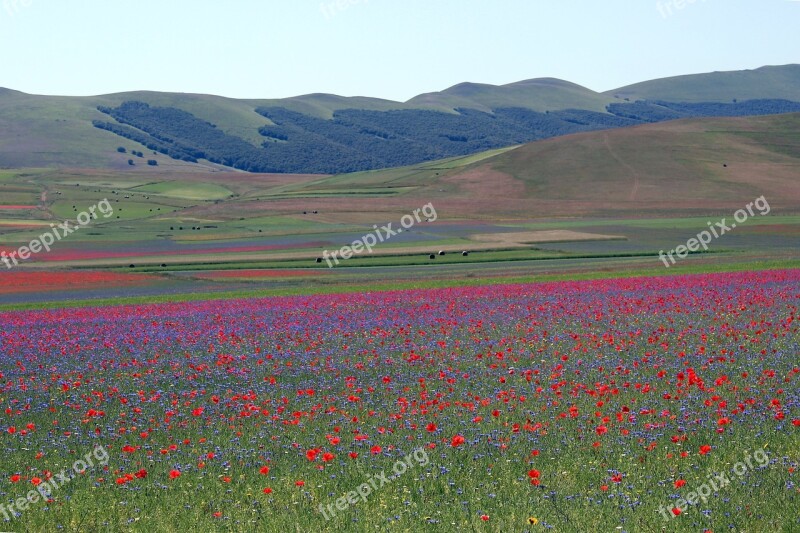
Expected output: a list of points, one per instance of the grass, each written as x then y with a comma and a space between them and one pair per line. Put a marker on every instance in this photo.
184, 190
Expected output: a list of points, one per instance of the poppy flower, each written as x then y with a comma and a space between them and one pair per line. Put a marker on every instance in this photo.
174, 474
264, 470
680, 483
457, 441
705, 449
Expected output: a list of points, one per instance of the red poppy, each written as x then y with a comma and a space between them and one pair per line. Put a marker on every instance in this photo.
457, 441
174, 474
264, 470
431, 427
680, 483
704, 449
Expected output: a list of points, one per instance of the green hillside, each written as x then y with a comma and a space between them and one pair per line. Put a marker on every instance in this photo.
543, 94
368, 133
683, 167
766, 82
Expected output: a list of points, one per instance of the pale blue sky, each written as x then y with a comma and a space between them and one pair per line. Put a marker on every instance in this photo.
385, 48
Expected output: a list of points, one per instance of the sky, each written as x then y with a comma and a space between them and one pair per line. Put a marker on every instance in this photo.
393, 49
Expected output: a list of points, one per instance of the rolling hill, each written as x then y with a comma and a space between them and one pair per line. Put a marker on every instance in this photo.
781, 82
544, 94
678, 168
328, 134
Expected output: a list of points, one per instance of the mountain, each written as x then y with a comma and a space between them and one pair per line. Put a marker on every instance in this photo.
543, 94
778, 82
329, 134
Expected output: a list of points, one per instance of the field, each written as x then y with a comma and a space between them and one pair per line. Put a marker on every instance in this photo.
616, 198
521, 357
563, 406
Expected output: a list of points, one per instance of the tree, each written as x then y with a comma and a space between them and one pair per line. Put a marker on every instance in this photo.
121, 150
152, 162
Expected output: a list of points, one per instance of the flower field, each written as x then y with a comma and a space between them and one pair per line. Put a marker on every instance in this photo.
566, 406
